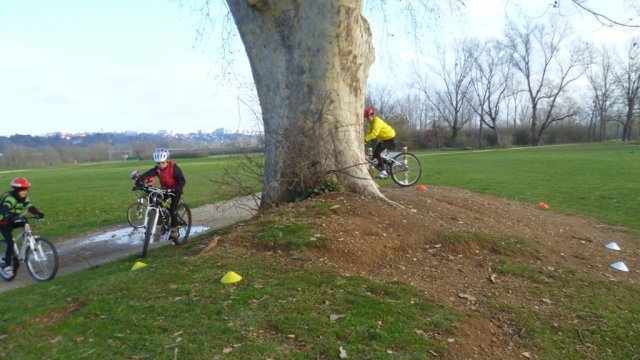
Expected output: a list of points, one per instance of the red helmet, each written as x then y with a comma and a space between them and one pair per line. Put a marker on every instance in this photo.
369, 111
20, 183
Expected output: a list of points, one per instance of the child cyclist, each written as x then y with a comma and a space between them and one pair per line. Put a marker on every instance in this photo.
378, 129
171, 178
15, 205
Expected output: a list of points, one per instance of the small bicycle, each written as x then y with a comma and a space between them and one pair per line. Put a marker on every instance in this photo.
39, 254
137, 209
157, 213
404, 168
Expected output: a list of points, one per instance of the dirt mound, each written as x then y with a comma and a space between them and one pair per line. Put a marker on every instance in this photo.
447, 242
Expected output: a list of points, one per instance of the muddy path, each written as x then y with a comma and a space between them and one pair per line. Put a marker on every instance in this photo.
104, 246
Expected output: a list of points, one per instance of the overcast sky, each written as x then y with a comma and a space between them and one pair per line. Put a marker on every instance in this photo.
130, 65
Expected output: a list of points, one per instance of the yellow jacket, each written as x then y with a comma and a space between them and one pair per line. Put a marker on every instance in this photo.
379, 129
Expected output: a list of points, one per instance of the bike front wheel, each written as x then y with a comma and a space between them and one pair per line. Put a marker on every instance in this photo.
152, 218
3, 275
135, 215
183, 213
406, 169
42, 260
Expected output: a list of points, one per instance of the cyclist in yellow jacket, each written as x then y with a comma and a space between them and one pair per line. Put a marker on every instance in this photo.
378, 129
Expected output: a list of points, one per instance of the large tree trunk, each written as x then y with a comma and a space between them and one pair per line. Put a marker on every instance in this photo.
310, 61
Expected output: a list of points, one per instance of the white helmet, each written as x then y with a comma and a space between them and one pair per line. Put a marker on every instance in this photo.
161, 155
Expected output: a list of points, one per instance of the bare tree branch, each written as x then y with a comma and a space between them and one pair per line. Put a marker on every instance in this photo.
600, 17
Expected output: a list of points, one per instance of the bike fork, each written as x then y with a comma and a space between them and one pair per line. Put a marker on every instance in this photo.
155, 220
36, 251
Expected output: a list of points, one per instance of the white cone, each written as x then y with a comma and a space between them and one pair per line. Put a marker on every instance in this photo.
612, 246
620, 266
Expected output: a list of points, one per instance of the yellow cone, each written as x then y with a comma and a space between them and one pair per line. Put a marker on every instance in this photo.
230, 278
138, 265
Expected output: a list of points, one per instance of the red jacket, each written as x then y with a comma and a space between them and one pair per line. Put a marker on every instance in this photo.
170, 177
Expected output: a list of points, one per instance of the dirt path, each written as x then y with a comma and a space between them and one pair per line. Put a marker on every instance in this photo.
101, 247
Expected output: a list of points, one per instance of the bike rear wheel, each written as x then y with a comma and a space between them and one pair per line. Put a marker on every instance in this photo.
3, 275
183, 213
42, 261
135, 215
406, 169
150, 230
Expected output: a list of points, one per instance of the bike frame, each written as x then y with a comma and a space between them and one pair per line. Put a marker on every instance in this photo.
397, 166
28, 241
385, 156
153, 204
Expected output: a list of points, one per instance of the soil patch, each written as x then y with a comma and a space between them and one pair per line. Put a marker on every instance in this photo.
435, 241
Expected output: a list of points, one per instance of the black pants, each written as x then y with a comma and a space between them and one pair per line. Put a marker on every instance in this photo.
175, 200
7, 231
382, 146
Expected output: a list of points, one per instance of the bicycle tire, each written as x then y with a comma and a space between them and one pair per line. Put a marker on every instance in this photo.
148, 232
42, 262
3, 275
406, 169
183, 213
135, 215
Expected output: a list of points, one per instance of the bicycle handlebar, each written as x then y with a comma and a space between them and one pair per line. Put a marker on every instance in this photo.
150, 189
26, 218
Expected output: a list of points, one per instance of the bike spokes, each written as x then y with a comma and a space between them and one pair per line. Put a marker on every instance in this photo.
406, 169
42, 260
183, 215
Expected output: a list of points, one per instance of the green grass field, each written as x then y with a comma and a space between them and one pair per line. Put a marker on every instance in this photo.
176, 307
599, 180
78, 198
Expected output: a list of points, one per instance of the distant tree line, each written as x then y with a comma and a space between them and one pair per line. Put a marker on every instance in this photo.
39, 151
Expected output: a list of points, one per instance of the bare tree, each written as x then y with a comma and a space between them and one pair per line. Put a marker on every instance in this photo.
600, 75
454, 74
628, 81
515, 107
491, 76
536, 54
418, 113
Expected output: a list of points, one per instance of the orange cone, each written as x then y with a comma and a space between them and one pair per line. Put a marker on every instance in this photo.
543, 205
421, 188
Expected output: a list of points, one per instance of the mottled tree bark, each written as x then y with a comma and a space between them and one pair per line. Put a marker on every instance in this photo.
310, 61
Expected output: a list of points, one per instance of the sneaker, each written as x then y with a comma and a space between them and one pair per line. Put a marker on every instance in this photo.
8, 270
174, 234
383, 174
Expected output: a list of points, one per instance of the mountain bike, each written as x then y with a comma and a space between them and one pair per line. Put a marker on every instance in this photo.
39, 254
403, 168
157, 214
137, 209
